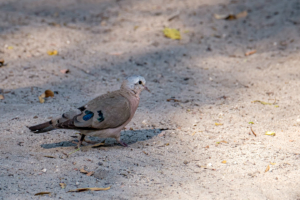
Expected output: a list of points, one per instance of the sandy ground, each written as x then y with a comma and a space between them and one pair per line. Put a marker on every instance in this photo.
177, 150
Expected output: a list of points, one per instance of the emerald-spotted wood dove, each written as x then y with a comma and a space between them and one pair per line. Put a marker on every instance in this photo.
105, 116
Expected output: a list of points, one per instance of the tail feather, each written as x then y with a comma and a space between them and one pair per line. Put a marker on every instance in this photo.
41, 128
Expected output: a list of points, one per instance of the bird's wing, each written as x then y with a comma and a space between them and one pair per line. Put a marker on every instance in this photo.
106, 111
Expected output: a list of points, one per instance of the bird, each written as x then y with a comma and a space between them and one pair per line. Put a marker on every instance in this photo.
105, 116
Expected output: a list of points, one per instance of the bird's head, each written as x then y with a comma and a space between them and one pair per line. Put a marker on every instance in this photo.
135, 83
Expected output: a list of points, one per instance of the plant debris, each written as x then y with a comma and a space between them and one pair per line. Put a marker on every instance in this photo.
250, 53
46, 94
1, 62
63, 185
98, 145
42, 193
232, 16
65, 71
172, 33
50, 156
175, 100
224, 161
52, 53
268, 168
1, 97
270, 133
89, 189
252, 131
218, 124
262, 102
86, 172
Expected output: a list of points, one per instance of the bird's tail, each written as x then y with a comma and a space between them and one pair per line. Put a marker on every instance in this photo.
41, 128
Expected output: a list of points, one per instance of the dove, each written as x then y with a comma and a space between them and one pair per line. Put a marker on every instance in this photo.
105, 116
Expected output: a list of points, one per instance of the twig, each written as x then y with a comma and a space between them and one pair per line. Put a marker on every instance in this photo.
252, 131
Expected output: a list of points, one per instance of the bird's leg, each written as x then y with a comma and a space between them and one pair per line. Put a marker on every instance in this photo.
80, 141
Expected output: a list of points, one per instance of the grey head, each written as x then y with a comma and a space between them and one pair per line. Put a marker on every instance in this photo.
135, 83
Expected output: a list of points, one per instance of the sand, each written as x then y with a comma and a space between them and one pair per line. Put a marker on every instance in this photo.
191, 137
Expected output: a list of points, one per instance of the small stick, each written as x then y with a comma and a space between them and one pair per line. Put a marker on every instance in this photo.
252, 131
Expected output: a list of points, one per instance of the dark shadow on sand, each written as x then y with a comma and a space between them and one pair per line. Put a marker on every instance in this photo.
129, 137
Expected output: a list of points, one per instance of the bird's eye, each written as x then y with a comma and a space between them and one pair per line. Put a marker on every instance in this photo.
140, 82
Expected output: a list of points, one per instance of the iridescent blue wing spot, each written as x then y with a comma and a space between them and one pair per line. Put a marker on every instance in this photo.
88, 115
101, 117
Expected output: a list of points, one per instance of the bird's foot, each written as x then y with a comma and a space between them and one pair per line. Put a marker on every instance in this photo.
91, 142
123, 143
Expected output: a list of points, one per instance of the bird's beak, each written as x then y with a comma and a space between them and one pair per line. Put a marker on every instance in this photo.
147, 88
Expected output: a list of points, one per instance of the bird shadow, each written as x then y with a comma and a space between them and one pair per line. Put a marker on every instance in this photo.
129, 137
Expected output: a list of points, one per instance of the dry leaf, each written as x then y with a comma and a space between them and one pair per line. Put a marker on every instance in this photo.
42, 193
83, 171
65, 71
224, 161
242, 14
270, 133
42, 98
89, 189
49, 156
250, 53
232, 16
52, 53
63, 185
268, 168
218, 124
167, 144
49, 93
172, 33
1, 97
98, 145
90, 173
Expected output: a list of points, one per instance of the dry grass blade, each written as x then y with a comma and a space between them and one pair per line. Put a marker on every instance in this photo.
98, 145
50, 156
89, 189
42, 193
252, 131
250, 53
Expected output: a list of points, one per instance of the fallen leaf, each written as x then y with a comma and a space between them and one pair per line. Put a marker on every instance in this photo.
49, 156
224, 161
49, 93
172, 33
46, 94
218, 124
251, 122
232, 16
268, 168
89, 189
270, 133
63, 185
98, 145
42, 98
52, 53
42, 193
65, 71
250, 53
83, 171
167, 144
206, 147
90, 173
1, 62
1, 97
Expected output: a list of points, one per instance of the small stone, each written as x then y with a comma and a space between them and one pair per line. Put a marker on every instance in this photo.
44, 170
185, 162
